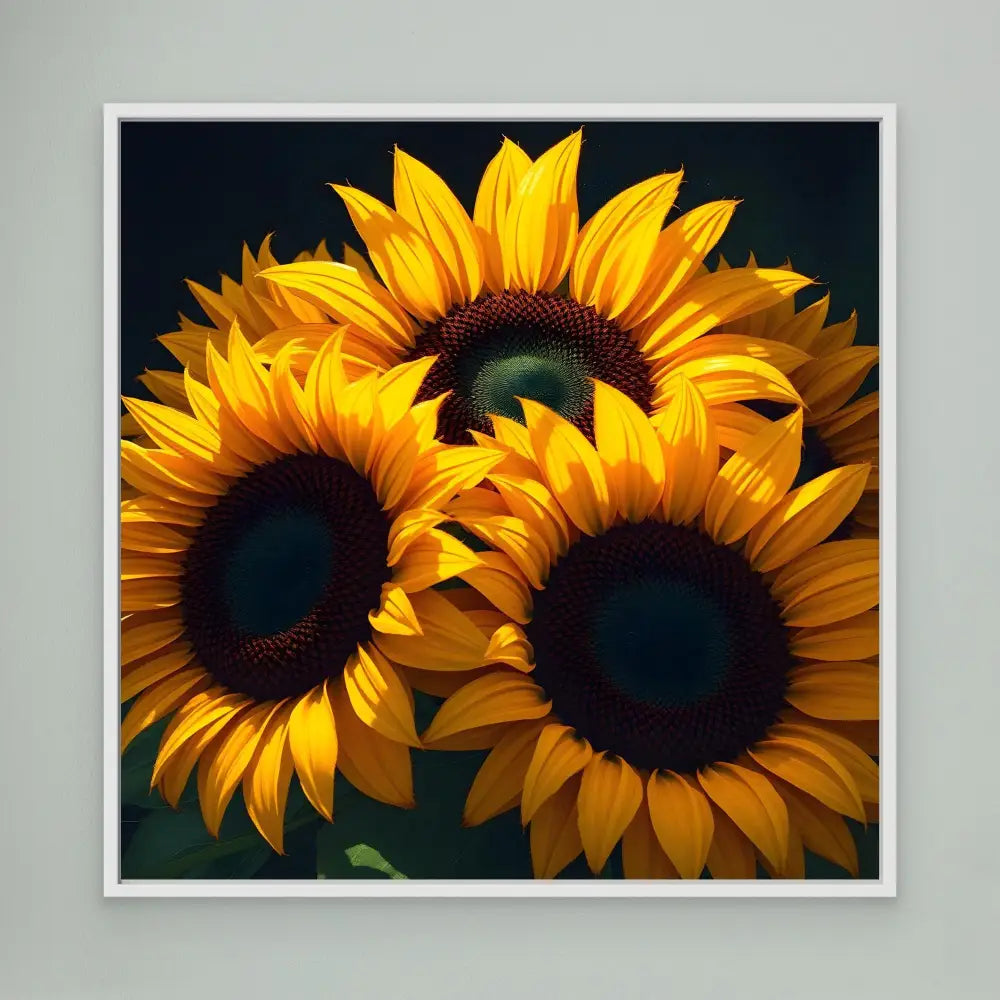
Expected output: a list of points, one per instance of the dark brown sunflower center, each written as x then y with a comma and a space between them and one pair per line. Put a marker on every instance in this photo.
282, 574
661, 646
537, 346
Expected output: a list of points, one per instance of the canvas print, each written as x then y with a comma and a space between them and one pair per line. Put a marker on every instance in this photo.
499, 500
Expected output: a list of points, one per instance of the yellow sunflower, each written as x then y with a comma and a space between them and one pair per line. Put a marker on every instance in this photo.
279, 533
839, 429
518, 300
693, 668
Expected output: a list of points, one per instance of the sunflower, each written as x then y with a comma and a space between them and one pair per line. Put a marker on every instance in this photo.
518, 301
279, 534
260, 309
693, 668
839, 429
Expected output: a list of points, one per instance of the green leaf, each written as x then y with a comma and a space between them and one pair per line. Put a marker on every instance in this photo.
363, 856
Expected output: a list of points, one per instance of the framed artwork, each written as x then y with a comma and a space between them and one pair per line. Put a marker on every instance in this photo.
506, 505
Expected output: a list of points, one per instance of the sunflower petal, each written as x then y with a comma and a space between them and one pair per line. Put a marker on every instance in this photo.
726, 378
403, 257
754, 479
572, 468
432, 558
312, 739
349, 296
496, 190
841, 587
857, 763
749, 799
813, 769
642, 855
137, 677
497, 697
377, 766
395, 615
559, 754
498, 580
690, 452
682, 819
631, 451
427, 203
448, 640
540, 229
555, 832
845, 690
147, 637
379, 696
709, 301
498, 783
222, 765
610, 795
267, 777
822, 830
805, 517
615, 246
678, 254
828, 383
731, 855
853, 639
161, 699
533, 503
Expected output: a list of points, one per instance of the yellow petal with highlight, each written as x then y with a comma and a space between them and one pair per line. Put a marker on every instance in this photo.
145, 638
855, 761
497, 697
395, 615
432, 558
615, 246
349, 296
379, 696
727, 378
377, 766
610, 795
161, 699
540, 229
631, 451
312, 739
267, 777
427, 203
136, 677
496, 191
754, 479
559, 754
678, 254
449, 640
224, 762
805, 517
828, 383
533, 503
690, 453
498, 580
403, 257
572, 468
750, 800
830, 594
714, 299
682, 819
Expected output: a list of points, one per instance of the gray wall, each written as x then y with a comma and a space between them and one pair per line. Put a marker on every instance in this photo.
60, 61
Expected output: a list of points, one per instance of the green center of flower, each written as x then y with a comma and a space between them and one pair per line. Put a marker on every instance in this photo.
558, 382
662, 640
278, 571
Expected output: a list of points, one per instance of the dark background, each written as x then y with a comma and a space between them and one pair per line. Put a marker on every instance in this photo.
192, 192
